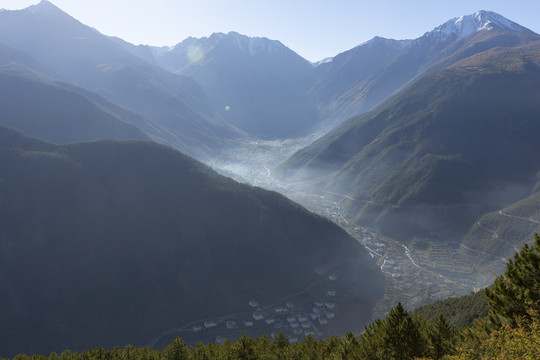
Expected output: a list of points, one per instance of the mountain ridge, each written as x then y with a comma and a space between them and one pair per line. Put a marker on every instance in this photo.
80, 55
257, 84
430, 52
399, 158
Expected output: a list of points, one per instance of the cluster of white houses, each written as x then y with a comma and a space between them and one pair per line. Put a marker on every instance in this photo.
287, 318
299, 323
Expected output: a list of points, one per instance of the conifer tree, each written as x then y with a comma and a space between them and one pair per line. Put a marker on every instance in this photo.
243, 349
402, 337
348, 347
371, 341
177, 350
200, 352
397, 337
309, 348
513, 292
441, 338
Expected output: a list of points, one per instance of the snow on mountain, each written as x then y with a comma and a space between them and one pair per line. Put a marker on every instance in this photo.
468, 24
377, 40
249, 45
323, 61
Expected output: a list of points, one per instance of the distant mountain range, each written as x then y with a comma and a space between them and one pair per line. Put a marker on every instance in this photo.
359, 79
204, 94
258, 85
74, 53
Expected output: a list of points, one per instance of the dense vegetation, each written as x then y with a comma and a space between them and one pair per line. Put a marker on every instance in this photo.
512, 331
460, 312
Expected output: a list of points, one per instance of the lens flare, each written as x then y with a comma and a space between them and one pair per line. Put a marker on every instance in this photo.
195, 54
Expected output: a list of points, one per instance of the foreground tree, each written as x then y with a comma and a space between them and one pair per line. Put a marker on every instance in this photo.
519, 342
507, 343
177, 350
514, 291
440, 338
397, 337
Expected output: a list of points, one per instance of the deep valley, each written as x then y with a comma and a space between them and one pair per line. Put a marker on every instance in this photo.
227, 186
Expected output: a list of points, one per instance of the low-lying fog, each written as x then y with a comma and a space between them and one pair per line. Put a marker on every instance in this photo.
252, 161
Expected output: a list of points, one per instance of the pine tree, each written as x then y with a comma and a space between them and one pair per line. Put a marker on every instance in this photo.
441, 338
397, 337
309, 348
200, 352
348, 347
372, 341
402, 337
281, 340
513, 293
243, 349
177, 350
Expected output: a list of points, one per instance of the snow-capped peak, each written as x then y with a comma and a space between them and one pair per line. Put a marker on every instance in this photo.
398, 44
254, 45
479, 21
250, 45
323, 61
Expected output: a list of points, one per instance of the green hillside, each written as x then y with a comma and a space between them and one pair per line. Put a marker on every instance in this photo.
458, 143
58, 114
459, 311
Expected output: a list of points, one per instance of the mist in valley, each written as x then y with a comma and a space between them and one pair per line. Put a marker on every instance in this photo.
433, 268
424, 151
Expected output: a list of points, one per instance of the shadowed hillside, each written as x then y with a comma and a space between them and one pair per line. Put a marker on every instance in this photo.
106, 243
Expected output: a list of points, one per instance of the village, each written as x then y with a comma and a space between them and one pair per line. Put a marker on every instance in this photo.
295, 319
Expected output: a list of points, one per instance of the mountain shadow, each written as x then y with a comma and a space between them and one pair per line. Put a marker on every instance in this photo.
106, 243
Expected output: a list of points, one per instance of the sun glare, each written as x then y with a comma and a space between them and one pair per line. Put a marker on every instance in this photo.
195, 54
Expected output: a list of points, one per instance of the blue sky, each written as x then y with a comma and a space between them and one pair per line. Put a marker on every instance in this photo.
315, 29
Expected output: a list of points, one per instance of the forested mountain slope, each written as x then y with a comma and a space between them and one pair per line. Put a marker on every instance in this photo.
458, 143
106, 243
58, 114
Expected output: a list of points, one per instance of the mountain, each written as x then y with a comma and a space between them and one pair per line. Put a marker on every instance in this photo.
11, 58
480, 21
454, 145
497, 235
81, 56
323, 61
258, 85
336, 76
399, 64
58, 114
107, 243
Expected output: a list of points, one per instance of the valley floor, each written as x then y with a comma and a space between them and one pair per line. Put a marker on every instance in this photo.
415, 274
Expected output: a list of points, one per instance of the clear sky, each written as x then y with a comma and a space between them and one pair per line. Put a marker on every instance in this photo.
314, 29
